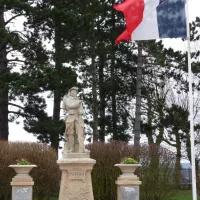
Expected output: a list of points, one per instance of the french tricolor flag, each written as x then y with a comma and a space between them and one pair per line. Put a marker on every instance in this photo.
153, 19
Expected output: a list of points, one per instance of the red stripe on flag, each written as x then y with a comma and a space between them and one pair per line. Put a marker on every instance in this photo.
124, 36
133, 12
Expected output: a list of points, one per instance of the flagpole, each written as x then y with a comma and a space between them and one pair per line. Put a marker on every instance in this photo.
190, 80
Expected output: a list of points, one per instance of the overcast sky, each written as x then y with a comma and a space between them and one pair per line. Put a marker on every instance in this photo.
16, 131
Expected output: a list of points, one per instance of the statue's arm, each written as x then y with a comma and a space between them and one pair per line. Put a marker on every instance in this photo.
81, 109
74, 105
63, 104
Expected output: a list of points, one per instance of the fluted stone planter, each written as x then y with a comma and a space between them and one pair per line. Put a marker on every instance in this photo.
22, 183
22, 170
128, 183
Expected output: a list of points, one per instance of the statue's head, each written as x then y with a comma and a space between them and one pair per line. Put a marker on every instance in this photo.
73, 91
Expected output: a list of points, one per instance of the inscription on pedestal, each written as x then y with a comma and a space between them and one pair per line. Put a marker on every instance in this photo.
22, 193
130, 193
77, 174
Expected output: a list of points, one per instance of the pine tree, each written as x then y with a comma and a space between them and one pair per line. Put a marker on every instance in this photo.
115, 78
4, 72
12, 43
52, 21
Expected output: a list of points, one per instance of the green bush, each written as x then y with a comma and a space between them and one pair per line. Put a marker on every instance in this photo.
46, 176
23, 162
156, 172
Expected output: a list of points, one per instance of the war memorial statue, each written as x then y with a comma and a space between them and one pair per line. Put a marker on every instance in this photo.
75, 164
74, 131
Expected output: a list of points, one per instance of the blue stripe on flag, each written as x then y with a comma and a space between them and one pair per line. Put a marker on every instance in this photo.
171, 19
161, 1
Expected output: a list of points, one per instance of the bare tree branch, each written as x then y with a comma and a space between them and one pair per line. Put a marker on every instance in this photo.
16, 60
127, 112
12, 104
8, 21
19, 113
20, 34
7, 52
169, 143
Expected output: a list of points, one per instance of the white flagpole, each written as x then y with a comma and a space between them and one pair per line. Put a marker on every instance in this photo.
190, 79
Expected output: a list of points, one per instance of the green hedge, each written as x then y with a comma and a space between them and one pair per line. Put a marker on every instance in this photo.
156, 173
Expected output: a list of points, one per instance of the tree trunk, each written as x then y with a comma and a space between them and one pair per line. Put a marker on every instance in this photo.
102, 100
149, 132
94, 95
161, 119
138, 98
57, 93
178, 159
113, 94
3, 85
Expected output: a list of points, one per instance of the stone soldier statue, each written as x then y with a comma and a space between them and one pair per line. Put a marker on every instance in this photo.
74, 131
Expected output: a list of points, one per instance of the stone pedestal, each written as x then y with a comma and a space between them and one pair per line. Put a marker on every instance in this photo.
76, 181
22, 183
128, 183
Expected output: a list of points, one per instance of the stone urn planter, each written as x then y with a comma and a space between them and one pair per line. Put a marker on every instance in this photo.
128, 183
128, 169
22, 183
22, 170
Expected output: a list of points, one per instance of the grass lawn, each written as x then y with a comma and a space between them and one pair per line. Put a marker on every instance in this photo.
181, 195
184, 195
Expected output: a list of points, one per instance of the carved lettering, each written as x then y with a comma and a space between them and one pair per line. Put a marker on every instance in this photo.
77, 173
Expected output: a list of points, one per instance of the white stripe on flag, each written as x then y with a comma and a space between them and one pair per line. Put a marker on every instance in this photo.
148, 28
